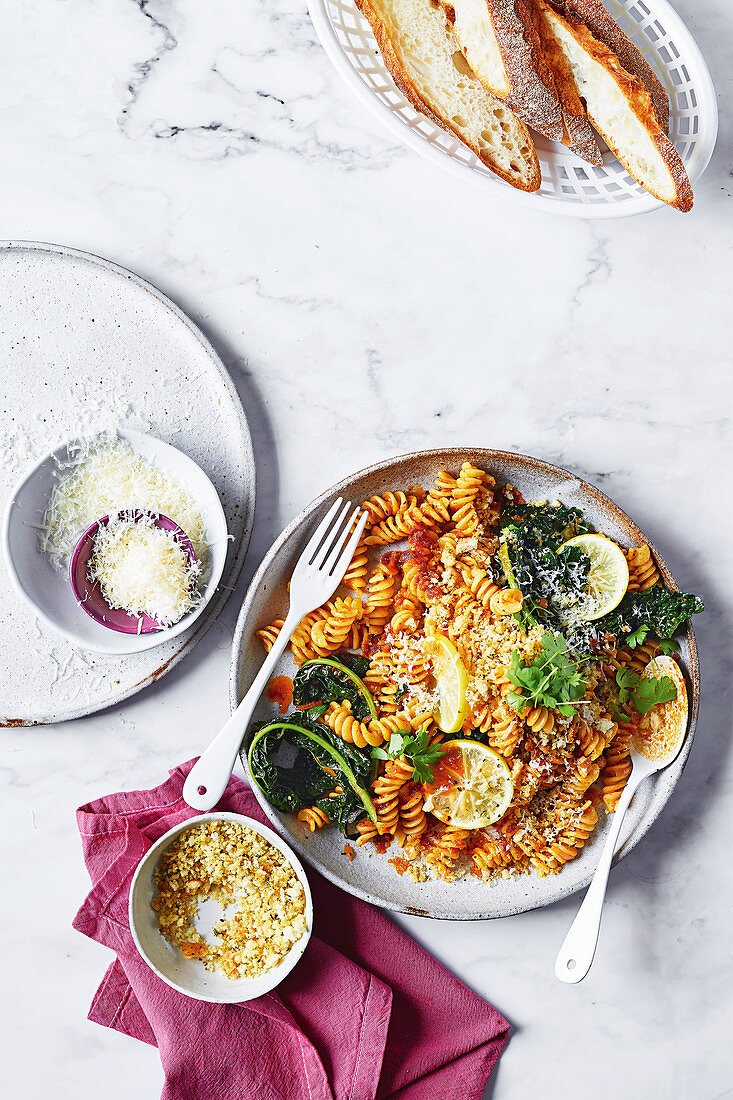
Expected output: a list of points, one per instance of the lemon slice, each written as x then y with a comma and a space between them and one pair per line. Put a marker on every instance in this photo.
472, 786
451, 681
608, 578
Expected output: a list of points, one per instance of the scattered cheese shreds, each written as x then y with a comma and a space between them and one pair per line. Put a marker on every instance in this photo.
102, 477
143, 569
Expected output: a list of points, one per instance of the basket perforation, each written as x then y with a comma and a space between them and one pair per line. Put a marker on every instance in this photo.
568, 185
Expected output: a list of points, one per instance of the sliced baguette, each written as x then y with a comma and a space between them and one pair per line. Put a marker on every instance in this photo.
422, 55
606, 30
499, 40
577, 131
620, 107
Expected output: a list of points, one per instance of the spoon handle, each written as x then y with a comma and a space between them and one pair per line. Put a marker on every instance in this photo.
576, 954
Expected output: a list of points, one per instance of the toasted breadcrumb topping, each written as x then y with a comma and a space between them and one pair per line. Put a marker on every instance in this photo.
236, 866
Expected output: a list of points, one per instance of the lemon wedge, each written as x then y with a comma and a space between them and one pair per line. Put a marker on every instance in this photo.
451, 680
608, 578
472, 786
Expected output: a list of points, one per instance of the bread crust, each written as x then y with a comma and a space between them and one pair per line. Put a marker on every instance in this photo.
532, 94
578, 133
404, 82
640, 103
603, 27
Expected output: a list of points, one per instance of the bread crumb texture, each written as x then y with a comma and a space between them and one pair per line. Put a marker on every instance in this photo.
234, 865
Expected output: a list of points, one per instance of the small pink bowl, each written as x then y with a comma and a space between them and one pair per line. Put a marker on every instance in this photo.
89, 594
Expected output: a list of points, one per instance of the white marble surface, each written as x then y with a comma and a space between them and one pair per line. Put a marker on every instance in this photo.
369, 305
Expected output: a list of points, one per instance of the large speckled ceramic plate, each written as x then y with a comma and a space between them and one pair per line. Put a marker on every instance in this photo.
86, 346
373, 878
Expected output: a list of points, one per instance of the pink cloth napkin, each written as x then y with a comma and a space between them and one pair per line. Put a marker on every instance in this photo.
366, 1013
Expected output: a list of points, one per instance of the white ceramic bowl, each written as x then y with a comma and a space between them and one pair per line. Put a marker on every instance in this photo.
189, 976
49, 592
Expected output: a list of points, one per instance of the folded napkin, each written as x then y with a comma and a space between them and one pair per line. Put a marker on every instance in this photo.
366, 1013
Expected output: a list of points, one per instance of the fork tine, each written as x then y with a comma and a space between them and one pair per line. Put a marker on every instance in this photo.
338, 566
311, 549
325, 552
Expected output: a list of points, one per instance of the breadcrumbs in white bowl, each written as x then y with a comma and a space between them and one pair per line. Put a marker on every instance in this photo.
220, 908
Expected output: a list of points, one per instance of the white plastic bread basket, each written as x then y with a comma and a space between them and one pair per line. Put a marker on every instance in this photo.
570, 186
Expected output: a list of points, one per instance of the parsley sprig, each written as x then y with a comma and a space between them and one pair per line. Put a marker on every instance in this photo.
643, 693
551, 679
666, 646
417, 749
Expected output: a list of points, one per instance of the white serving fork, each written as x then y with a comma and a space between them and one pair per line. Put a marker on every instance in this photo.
317, 574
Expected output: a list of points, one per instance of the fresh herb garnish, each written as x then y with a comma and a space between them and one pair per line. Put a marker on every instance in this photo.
663, 645
320, 764
643, 693
416, 748
616, 713
551, 679
335, 680
637, 636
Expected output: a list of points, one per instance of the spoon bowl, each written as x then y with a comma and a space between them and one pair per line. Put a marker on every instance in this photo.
88, 592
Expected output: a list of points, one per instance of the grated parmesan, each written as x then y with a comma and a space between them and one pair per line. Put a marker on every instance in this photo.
103, 476
143, 569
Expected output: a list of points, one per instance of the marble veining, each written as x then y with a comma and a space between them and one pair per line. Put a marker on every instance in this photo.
366, 305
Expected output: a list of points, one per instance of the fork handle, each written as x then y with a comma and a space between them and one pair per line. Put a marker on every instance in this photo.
579, 947
207, 780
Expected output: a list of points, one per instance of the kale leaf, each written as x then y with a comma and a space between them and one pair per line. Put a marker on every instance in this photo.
531, 535
335, 680
320, 763
660, 609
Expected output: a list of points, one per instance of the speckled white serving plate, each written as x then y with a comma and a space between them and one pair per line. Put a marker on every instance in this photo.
86, 346
372, 877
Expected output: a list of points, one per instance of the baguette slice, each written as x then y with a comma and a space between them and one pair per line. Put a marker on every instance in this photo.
422, 55
603, 27
500, 42
620, 107
578, 133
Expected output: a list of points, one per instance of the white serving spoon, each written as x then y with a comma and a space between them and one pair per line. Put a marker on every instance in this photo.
651, 751
317, 574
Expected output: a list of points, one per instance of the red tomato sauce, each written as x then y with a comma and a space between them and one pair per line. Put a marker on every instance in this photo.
280, 691
447, 772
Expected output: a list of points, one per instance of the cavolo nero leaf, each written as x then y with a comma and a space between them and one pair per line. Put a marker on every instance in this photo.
335, 679
297, 763
660, 609
531, 535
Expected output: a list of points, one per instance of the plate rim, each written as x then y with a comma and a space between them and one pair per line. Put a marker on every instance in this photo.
228, 581
550, 468
643, 204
